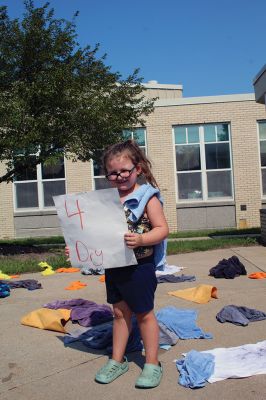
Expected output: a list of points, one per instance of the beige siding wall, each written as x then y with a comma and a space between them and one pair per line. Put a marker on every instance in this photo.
79, 176
242, 116
6, 208
263, 225
161, 154
164, 93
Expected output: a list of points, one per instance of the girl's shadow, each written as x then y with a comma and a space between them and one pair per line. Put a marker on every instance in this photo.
98, 340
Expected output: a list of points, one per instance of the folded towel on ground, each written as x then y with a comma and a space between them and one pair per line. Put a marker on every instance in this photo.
44, 318
199, 294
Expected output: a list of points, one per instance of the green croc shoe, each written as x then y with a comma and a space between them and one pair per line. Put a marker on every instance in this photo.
111, 370
150, 376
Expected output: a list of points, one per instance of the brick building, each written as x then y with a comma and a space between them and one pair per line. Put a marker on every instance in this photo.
259, 83
208, 155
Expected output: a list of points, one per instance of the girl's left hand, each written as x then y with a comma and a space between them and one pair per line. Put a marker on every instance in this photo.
67, 253
133, 240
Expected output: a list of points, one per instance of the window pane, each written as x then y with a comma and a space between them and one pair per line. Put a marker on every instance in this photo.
97, 164
263, 174
193, 134
143, 149
27, 195
26, 174
188, 158
263, 153
102, 183
189, 186
219, 184
127, 134
54, 171
209, 133
217, 155
51, 189
262, 130
222, 133
180, 135
139, 136
97, 169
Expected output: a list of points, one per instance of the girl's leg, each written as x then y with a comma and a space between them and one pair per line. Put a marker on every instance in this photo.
121, 329
152, 372
149, 331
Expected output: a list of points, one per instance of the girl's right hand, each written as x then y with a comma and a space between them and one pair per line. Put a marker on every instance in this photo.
67, 253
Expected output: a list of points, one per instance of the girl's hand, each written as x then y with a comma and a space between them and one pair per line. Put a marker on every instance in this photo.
67, 253
133, 240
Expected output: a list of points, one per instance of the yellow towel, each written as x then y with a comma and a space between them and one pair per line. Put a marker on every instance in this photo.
46, 318
199, 294
4, 276
48, 268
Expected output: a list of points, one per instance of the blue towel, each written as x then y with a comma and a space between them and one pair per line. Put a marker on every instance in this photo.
137, 200
136, 203
195, 369
4, 290
182, 322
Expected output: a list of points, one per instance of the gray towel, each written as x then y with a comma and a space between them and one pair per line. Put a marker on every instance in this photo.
173, 278
239, 315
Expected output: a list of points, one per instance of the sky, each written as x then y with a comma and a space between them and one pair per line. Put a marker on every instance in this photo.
210, 47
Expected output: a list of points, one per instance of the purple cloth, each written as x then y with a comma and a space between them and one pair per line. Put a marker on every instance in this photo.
69, 304
30, 284
84, 312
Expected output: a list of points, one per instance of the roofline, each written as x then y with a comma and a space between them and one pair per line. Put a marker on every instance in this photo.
156, 85
205, 100
261, 72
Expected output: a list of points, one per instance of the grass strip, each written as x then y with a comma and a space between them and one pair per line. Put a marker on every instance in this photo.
11, 265
189, 246
15, 265
212, 232
34, 241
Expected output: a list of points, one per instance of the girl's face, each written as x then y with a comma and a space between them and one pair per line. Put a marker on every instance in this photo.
126, 182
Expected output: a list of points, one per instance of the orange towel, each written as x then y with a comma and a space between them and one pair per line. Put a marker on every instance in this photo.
68, 270
76, 285
102, 278
200, 294
46, 318
257, 275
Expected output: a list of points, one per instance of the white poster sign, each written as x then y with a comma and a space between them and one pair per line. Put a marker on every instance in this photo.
94, 225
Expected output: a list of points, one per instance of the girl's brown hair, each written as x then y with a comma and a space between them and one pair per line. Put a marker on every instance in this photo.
135, 154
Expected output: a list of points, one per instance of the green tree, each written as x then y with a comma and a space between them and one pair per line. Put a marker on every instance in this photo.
57, 97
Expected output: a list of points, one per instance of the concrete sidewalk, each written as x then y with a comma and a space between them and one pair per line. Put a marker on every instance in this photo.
36, 365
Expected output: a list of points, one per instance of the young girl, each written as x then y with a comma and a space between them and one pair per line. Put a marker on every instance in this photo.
131, 289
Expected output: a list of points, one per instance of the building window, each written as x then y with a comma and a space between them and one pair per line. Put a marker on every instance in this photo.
203, 162
35, 188
137, 134
262, 137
